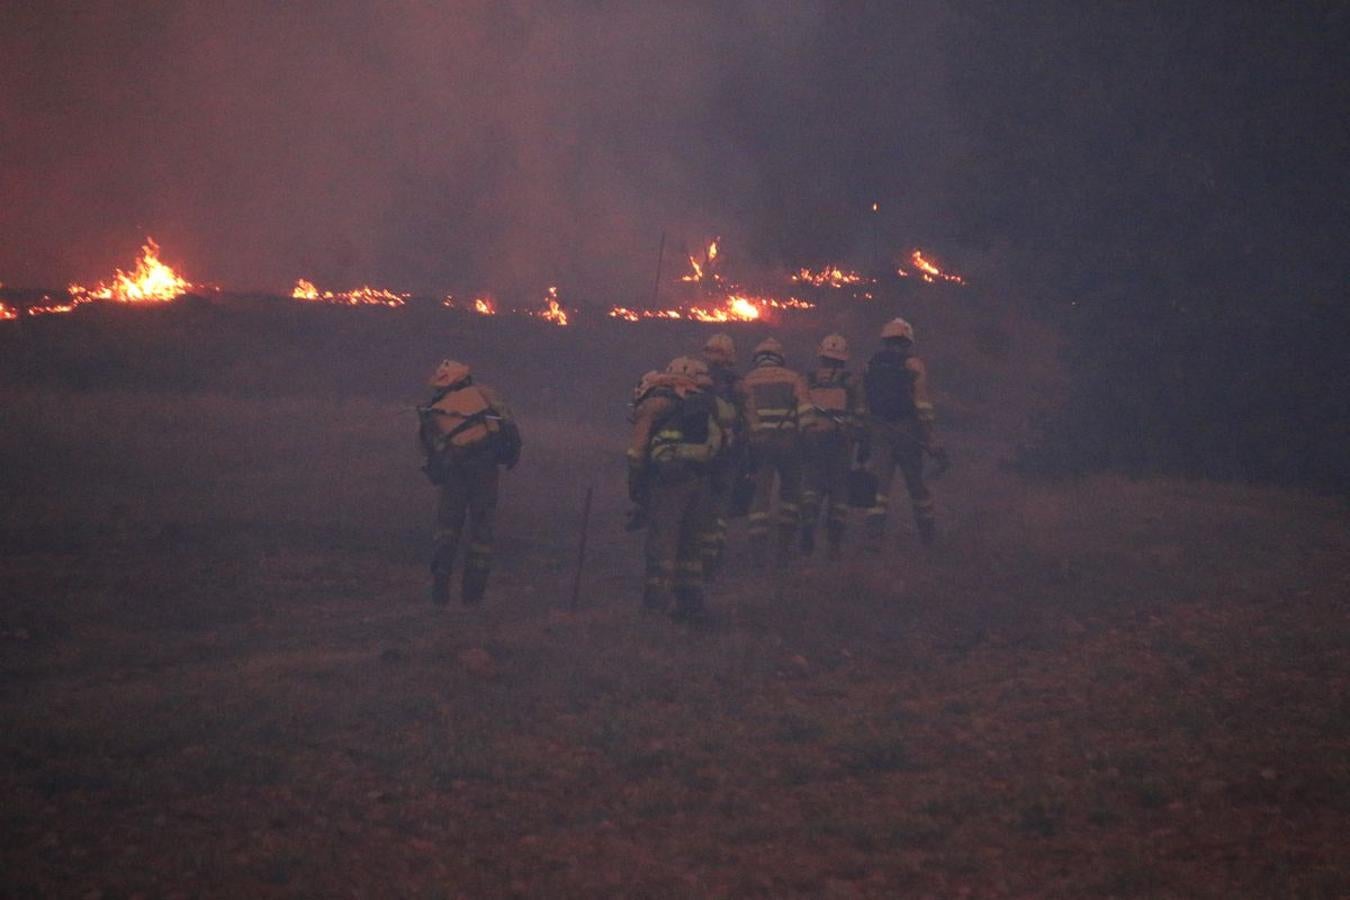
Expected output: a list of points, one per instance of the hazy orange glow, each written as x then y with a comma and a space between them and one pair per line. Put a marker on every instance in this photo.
553, 310
151, 282
485, 305
362, 296
6, 313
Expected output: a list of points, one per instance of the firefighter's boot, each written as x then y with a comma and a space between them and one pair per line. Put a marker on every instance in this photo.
925, 521
711, 545
442, 564
656, 587
875, 525
440, 588
759, 538
689, 608
474, 587
834, 531
808, 540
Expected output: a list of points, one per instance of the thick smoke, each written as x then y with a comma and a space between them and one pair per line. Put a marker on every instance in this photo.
430, 146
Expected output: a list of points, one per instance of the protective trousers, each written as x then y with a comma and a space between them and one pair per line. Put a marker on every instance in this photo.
825, 456
778, 456
898, 445
470, 493
678, 524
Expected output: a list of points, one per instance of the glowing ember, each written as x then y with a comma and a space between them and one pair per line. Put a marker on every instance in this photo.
831, 276
553, 310
151, 282
362, 296
930, 270
485, 305
6, 313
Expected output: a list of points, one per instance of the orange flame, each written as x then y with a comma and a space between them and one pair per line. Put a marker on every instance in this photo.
553, 310
930, 270
704, 272
362, 296
151, 282
831, 276
52, 309
485, 305
6, 314
733, 308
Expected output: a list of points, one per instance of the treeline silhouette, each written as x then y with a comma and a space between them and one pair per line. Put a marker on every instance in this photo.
1168, 183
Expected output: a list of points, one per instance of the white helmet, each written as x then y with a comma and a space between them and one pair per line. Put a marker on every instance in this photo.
720, 348
696, 370
834, 346
897, 328
448, 374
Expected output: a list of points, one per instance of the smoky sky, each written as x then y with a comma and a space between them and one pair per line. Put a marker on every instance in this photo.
436, 146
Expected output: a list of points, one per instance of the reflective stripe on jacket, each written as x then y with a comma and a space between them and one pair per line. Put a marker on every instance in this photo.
778, 398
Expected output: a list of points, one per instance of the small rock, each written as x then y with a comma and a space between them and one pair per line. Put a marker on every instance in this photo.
799, 663
1269, 774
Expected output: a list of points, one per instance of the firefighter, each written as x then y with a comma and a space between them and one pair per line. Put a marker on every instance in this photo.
466, 433
900, 430
676, 444
719, 353
778, 401
829, 433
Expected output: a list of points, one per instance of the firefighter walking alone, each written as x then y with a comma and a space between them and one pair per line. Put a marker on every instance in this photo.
900, 430
466, 432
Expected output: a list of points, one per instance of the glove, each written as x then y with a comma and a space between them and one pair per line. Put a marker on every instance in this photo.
864, 452
637, 482
636, 520
940, 457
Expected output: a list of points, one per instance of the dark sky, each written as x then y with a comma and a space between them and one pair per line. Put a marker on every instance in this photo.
428, 146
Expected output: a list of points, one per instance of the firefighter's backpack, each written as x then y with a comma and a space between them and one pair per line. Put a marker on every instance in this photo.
830, 399
456, 423
888, 385
689, 433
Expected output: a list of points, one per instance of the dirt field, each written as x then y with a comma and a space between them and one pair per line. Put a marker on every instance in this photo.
222, 676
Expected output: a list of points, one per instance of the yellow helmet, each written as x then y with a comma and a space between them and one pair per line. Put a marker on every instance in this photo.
696, 370
448, 373
834, 346
897, 328
720, 348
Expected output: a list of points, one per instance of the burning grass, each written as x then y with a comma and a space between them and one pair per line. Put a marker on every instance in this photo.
152, 281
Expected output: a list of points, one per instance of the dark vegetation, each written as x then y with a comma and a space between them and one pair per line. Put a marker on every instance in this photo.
220, 675
1169, 184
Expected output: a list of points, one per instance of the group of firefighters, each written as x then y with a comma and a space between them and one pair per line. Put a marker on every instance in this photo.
709, 445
